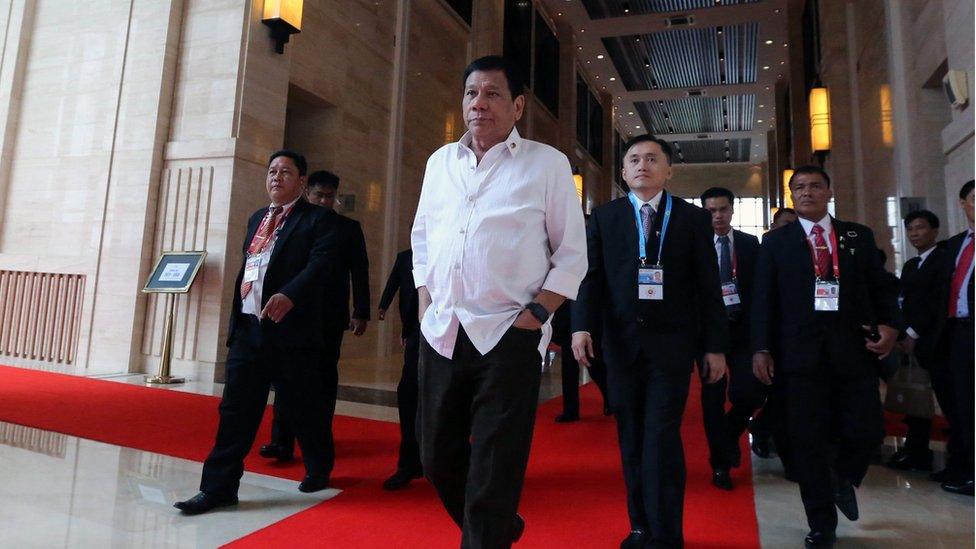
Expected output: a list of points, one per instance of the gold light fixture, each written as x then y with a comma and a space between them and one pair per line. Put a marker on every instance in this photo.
787, 193
578, 180
887, 132
284, 17
820, 119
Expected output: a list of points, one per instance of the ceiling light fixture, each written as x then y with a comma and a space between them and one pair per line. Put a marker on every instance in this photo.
612, 79
765, 67
599, 56
768, 42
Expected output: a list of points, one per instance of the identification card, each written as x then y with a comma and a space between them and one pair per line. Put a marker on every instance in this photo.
826, 296
650, 283
252, 268
730, 294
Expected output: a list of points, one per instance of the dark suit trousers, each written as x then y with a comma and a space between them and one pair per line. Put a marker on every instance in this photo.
571, 373
745, 393
283, 433
253, 365
772, 422
836, 424
649, 430
477, 413
960, 332
920, 428
409, 459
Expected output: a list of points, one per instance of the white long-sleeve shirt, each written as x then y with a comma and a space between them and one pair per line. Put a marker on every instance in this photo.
489, 236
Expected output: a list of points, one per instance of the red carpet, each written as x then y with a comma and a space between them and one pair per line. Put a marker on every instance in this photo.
574, 493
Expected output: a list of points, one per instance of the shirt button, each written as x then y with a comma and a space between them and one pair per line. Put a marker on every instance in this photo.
457, 266
461, 231
471, 198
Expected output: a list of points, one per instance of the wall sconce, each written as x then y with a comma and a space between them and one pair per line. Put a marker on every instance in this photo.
887, 132
787, 193
284, 18
820, 119
578, 180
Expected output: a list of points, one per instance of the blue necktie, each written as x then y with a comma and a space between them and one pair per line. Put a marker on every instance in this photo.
725, 260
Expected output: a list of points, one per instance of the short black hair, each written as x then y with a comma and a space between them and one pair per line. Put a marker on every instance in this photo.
718, 192
809, 169
967, 188
783, 211
648, 137
516, 86
323, 178
296, 157
931, 218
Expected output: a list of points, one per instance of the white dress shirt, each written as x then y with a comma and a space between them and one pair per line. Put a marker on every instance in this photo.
962, 304
489, 236
827, 227
251, 305
718, 248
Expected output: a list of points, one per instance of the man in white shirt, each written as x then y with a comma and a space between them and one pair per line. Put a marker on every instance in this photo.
498, 244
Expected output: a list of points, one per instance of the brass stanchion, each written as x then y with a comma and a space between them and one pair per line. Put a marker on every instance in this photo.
163, 376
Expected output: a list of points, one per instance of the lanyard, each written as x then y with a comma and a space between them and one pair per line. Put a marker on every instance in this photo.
834, 254
641, 241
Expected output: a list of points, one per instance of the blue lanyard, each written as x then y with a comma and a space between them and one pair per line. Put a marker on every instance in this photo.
641, 241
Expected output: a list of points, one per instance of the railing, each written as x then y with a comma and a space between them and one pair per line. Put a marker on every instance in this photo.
40, 315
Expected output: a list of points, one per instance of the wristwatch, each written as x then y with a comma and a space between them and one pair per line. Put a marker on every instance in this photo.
538, 311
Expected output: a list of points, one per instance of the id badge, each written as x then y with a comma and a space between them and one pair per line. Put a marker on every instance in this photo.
826, 296
251, 268
650, 283
730, 294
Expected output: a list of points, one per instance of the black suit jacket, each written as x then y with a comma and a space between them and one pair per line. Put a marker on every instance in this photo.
352, 264
924, 295
953, 245
691, 317
304, 253
401, 280
746, 249
783, 300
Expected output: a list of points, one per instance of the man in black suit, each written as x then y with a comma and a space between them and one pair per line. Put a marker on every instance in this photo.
959, 334
401, 280
570, 368
924, 293
275, 337
821, 289
352, 265
653, 284
737, 253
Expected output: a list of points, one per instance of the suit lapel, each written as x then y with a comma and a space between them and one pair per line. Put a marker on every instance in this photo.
801, 246
297, 211
625, 223
845, 251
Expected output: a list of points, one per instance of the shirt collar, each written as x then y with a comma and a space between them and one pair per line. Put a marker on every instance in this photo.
655, 201
728, 234
925, 254
808, 225
287, 207
513, 144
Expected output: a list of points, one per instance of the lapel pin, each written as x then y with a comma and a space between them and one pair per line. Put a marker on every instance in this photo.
852, 234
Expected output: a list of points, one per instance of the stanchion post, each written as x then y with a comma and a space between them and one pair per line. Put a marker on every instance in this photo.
165, 358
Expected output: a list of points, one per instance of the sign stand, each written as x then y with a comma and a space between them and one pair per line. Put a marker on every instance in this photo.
173, 274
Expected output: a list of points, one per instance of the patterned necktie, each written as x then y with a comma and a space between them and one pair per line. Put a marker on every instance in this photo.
725, 260
822, 252
647, 222
261, 240
959, 276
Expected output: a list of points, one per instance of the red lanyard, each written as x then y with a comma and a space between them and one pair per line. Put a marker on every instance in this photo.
735, 264
833, 256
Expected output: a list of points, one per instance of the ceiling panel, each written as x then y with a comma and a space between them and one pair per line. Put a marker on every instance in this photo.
686, 58
699, 114
599, 9
709, 151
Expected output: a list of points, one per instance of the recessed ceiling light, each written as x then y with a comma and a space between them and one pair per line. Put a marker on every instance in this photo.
760, 121
767, 87
785, 44
612, 79
600, 56
597, 77
630, 113
637, 126
587, 62
782, 62
765, 67
761, 106
768, 42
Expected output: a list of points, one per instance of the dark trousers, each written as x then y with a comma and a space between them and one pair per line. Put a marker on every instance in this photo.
773, 421
960, 333
409, 458
282, 433
253, 365
571, 374
920, 428
836, 425
649, 431
745, 393
477, 413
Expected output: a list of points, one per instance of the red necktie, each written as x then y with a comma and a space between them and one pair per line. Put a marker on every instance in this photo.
261, 240
959, 276
822, 253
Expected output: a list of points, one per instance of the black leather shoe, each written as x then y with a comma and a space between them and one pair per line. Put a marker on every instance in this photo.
567, 418
203, 502
635, 540
845, 499
903, 460
313, 484
941, 475
721, 479
760, 446
518, 528
964, 487
820, 538
400, 479
276, 451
